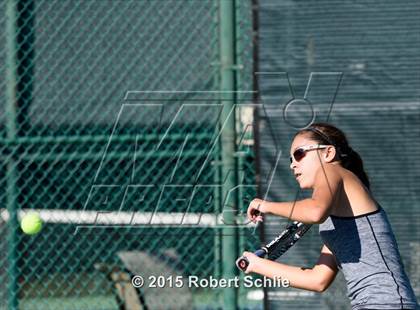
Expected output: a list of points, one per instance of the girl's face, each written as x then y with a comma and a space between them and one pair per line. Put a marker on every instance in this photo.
306, 168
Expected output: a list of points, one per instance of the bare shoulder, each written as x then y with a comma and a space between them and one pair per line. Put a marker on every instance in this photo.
342, 192
354, 198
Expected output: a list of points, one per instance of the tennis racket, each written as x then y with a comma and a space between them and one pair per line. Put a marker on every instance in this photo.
279, 245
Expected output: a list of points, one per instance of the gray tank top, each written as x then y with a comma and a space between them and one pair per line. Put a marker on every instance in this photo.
366, 251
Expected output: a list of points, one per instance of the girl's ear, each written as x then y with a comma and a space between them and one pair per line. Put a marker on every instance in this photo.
330, 154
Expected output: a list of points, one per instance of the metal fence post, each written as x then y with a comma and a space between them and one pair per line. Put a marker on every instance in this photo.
228, 87
11, 173
19, 77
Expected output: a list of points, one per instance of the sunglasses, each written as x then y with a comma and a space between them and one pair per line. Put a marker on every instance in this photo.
300, 152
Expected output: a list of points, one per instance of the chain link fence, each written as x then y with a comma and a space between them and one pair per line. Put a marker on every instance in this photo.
110, 118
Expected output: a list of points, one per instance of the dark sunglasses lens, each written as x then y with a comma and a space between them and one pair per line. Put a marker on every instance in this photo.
299, 154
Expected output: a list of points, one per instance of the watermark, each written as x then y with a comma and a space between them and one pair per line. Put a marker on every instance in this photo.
175, 127
193, 281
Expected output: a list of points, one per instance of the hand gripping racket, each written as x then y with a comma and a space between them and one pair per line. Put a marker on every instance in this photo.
279, 245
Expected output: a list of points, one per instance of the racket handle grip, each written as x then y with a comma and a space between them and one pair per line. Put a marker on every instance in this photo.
242, 262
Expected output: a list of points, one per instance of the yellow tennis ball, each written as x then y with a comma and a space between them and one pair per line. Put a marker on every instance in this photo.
31, 223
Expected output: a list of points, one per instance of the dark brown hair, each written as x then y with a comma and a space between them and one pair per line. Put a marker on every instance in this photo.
325, 133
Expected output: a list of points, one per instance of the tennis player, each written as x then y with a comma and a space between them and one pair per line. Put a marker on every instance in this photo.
357, 236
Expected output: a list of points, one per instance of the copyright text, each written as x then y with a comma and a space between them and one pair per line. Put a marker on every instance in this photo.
210, 282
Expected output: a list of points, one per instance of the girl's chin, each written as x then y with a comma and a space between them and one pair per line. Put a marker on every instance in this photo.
303, 185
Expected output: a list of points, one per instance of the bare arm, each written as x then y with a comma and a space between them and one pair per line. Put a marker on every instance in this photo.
313, 210
316, 279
